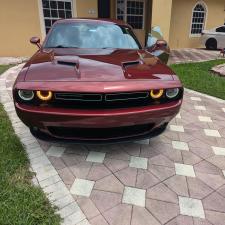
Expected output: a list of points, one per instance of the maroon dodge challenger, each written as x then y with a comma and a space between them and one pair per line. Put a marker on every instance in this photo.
92, 81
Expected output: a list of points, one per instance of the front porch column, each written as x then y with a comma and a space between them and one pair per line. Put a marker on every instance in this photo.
161, 16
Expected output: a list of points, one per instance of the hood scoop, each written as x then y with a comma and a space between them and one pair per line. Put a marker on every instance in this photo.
131, 63
68, 61
145, 61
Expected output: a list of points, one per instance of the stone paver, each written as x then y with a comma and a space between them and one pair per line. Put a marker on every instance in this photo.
163, 211
82, 187
180, 145
55, 151
219, 69
212, 133
176, 178
191, 207
97, 157
197, 99
177, 128
200, 107
138, 162
205, 119
218, 151
184, 170
134, 196
192, 55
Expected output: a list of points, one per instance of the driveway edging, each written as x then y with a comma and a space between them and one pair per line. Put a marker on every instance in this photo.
46, 175
205, 95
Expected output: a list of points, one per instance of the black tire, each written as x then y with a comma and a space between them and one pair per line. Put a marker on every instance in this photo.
211, 44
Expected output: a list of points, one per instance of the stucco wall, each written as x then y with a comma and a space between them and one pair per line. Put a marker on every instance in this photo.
113, 9
19, 20
87, 8
181, 21
161, 15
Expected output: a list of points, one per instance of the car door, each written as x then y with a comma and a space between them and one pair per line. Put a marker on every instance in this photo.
220, 36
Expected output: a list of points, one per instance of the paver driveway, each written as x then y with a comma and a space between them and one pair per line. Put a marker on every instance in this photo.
174, 179
192, 55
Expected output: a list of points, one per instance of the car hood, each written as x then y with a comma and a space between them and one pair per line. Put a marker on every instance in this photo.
95, 65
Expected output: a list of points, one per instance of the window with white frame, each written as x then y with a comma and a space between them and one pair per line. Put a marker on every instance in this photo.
54, 10
132, 12
198, 19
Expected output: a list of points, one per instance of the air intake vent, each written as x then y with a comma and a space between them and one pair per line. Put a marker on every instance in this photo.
132, 63
78, 97
126, 96
67, 63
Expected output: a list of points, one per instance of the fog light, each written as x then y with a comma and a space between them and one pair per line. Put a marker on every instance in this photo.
44, 95
26, 95
172, 93
156, 93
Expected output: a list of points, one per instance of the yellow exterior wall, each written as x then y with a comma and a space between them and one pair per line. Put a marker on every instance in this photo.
161, 15
181, 21
19, 21
113, 9
87, 8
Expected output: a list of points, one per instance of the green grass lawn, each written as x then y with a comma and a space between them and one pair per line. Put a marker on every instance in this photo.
197, 76
21, 203
3, 68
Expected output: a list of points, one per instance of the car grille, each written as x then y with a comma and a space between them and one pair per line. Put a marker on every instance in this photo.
78, 97
101, 97
101, 101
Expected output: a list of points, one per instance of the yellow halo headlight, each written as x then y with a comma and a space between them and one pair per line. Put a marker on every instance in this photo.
44, 95
155, 94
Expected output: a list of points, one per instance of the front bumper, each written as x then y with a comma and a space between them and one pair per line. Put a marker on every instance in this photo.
98, 125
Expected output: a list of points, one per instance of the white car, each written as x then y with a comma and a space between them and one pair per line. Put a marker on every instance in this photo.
214, 39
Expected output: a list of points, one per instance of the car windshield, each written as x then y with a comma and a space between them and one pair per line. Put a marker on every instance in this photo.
91, 35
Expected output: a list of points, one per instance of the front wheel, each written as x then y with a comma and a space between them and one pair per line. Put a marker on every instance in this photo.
211, 44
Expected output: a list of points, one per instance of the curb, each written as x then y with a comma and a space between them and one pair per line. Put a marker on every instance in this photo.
205, 95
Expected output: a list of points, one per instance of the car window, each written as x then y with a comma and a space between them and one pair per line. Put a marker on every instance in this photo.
221, 29
91, 35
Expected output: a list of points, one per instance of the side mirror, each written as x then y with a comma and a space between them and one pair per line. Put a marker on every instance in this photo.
35, 41
161, 44
154, 35
156, 45
161, 50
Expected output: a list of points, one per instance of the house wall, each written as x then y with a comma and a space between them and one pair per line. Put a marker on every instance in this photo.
87, 8
22, 19
19, 21
161, 16
113, 9
181, 21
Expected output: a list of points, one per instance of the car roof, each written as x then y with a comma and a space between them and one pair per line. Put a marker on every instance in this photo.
93, 20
